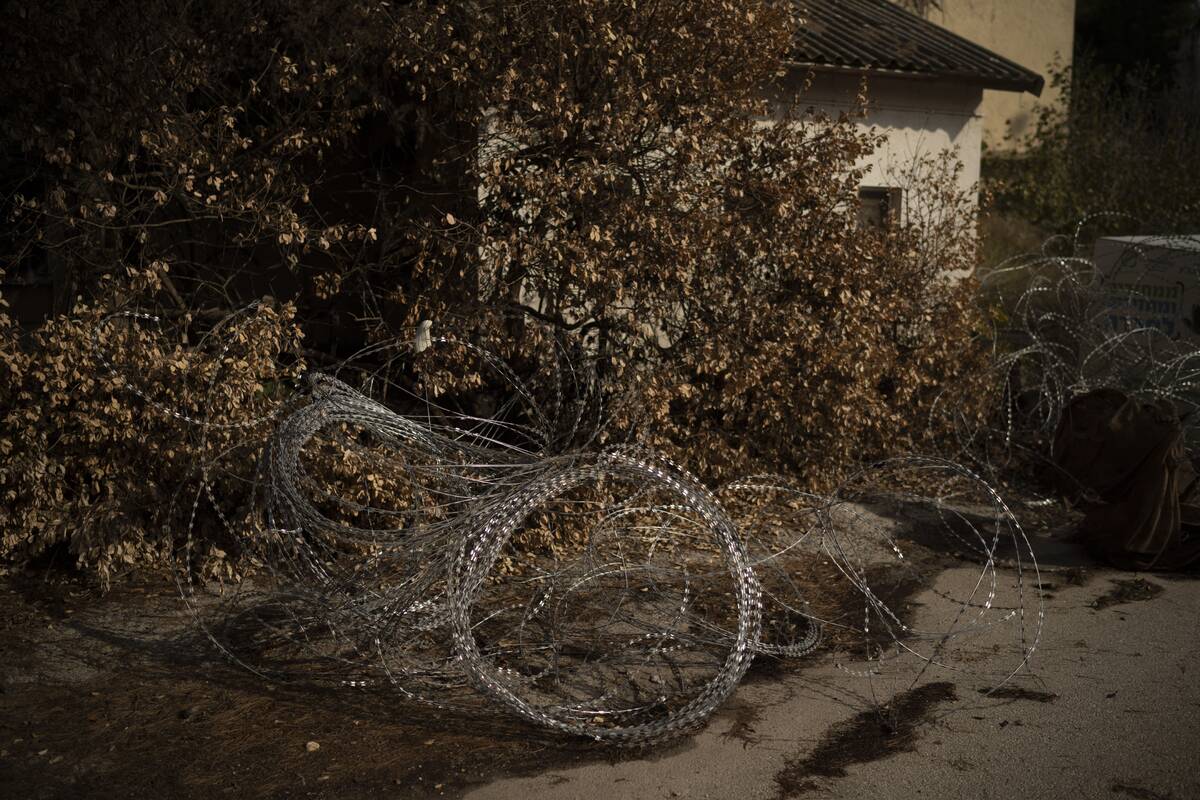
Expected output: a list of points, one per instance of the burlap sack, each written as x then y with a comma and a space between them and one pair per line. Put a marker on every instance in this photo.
1130, 453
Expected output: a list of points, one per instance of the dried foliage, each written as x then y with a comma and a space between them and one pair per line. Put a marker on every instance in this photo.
86, 462
601, 168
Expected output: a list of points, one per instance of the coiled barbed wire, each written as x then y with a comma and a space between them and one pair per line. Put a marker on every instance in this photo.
605, 594
1075, 326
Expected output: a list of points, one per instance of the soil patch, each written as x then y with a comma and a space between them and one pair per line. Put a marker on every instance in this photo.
1073, 576
1138, 792
1133, 590
745, 717
871, 735
1019, 693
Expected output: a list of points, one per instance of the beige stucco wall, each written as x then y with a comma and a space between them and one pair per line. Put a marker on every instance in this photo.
1029, 32
916, 118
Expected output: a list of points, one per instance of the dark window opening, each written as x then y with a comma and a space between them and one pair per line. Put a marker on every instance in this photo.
878, 207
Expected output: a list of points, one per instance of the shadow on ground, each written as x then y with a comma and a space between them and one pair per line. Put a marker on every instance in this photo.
114, 695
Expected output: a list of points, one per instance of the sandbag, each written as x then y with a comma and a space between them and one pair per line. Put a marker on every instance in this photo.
1129, 454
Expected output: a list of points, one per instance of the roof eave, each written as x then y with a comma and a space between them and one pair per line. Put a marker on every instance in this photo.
1034, 84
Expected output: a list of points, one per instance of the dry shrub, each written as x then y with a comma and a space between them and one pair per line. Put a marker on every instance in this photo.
88, 463
594, 175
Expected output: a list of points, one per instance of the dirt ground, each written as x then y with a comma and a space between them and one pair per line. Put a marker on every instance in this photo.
114, 694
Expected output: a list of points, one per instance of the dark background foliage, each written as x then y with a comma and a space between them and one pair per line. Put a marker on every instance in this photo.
1125, 142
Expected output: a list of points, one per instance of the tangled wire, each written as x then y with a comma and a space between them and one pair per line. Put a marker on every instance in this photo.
461, 551
600, 592
1075, 326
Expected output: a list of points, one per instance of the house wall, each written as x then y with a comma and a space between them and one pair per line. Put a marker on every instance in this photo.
1030, 32
917, 118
